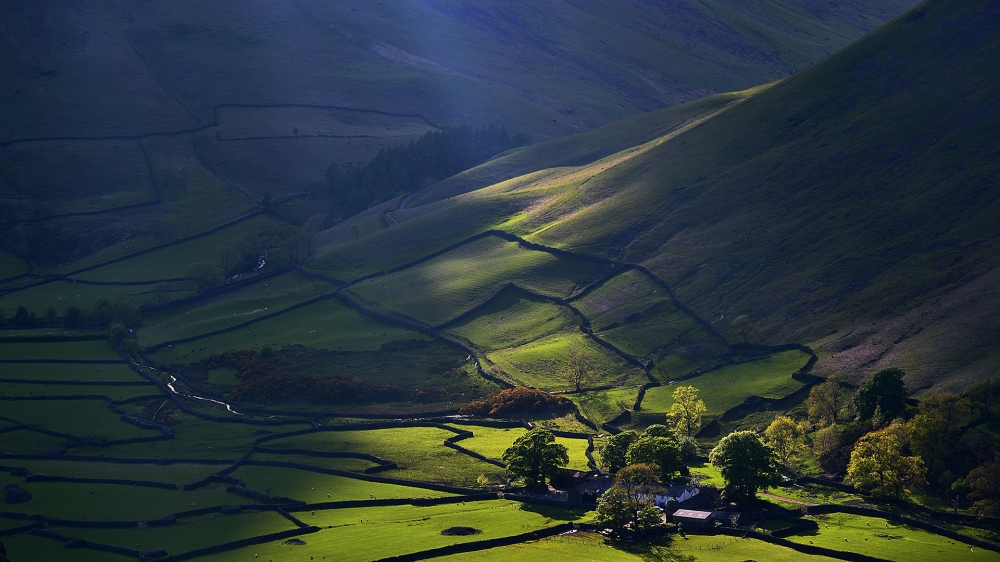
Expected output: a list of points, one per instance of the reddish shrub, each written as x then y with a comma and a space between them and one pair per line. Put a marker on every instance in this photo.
513, 400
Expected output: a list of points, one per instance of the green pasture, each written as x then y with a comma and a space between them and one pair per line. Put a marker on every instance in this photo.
75, 176
68, 372
878, 537
315, 487
113, 502
722, 389
366, 534
170, 262
419, 452
40, 549
88, 418
244, 122
604, 405
586, 547
25, 442
707, 474
327, 324
200, 318
512, 319
90, 350
11, 265
190, 533
493, 441
437, 291
51, 332
617, 298
60, 295
349, 464
225, 376
41, 389
537, 363
174, 473
195, 438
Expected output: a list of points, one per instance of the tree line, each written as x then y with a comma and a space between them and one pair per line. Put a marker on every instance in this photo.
400, 169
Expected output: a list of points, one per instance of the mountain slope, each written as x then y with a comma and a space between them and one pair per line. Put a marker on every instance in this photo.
852, 207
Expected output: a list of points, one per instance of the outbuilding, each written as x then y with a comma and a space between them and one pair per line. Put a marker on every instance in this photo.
692, 519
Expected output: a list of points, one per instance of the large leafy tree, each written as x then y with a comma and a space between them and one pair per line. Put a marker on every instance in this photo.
784, 436
985, 484
884, 392
628, 503
828, 401
614, 451
879, 467
534, 456
686, 411
579, 370
660, 451
746, 464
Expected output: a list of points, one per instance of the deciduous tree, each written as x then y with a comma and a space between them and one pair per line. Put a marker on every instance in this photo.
206, 275
746, 464
629, 502
659, 451
579, 370
878, 465
828, 401
984, 481
613, 452
784, 436
884, 391
534, 456
686, 411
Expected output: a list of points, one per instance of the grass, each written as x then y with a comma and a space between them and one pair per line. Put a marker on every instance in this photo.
586, 546
199, 318
451, 284
41, 389
175, 473
88, 418
190, 534
366, 534
90, 350
419, 452
707, 474
113, 502
314, 487
11, 265
512, 319
324, 325
604, 405
60, 295
537, 363
224, 375
69, 372
728, 387
171, 262
352, 465
878, 537
30, 547
492, 442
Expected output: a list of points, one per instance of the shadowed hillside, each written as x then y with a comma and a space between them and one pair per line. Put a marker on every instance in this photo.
852, 206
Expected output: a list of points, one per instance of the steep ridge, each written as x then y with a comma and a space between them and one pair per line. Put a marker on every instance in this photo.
851, 207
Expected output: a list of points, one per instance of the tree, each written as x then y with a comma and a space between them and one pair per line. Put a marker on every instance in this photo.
686, 411
22, 317
659, 451
745, 328
629, 502
51, 317
206, 275
783, 435
984, 483
746, 464
982, 397
828, 400
73, 316
660, 430
534, 456
884, 391
117, 332
579, 370
928, 432
613, 453
878, 466
826, 442
267, 201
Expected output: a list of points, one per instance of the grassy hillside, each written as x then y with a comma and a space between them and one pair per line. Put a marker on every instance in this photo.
850, 207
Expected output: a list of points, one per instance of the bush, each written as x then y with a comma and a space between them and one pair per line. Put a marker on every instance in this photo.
117, 332
515, 400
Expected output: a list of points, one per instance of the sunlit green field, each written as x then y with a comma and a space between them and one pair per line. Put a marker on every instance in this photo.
725, 388
492, 442
883, 539
585, 547
451, 284
512, 319
327, 324
538, 362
